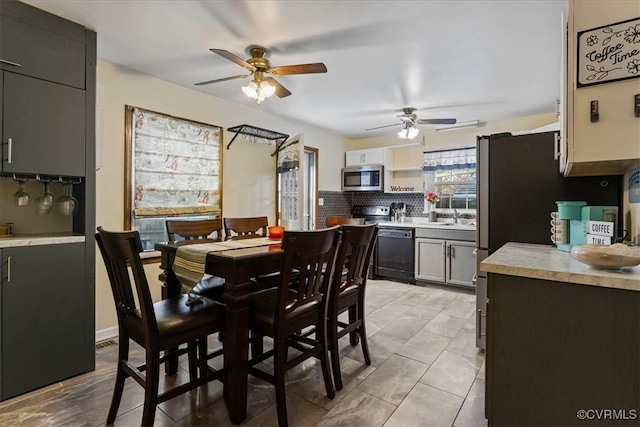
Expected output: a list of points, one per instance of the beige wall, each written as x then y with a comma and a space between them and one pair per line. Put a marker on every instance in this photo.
248, 168
457, 138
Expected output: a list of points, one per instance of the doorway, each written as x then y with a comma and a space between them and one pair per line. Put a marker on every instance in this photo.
310, 188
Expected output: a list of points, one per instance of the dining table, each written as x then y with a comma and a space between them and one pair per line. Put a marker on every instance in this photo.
237, 263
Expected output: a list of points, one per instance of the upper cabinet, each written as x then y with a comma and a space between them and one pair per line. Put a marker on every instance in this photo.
43, 127
372, 156
603, 131
54, 52
47, 94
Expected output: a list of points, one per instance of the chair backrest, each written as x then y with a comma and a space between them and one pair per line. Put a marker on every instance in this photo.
307, 253
245, 227
121, 250
330, 221
195, 229
354, 253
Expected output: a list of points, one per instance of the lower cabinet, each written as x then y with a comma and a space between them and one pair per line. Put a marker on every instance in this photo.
445, 261
561, 354
43, 303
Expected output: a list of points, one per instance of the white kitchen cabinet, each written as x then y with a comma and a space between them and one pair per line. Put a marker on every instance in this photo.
610, 145
372, 156
445, 261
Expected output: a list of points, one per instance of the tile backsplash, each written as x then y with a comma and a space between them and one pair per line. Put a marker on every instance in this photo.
337, 203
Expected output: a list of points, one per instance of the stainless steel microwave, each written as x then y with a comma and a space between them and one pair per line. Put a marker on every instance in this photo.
363, 178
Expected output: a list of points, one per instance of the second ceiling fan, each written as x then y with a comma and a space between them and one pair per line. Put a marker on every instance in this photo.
409, 121
262, 86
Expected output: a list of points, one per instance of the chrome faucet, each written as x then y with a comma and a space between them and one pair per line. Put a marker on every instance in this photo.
455, 215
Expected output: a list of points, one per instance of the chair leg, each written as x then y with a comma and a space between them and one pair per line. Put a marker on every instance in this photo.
279, 362
257, 344
151, 388
324, 360
353, 315
194, 358
335, 354
121, 375
363, 339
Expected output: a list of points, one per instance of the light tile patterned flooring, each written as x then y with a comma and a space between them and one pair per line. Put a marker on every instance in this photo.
425, 371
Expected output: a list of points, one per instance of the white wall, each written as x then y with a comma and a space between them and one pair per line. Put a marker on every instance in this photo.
248, 168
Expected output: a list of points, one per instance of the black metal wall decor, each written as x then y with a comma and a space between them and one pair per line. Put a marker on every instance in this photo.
609, 53
255, 133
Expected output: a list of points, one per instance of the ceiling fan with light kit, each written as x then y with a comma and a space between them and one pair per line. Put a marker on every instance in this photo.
409, 122
262, 86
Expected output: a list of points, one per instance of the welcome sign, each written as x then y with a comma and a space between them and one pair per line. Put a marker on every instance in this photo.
609, 53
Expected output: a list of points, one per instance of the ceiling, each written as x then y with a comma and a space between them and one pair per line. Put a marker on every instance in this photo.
469, 60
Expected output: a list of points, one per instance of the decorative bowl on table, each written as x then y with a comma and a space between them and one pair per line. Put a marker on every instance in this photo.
275, 232
605, 257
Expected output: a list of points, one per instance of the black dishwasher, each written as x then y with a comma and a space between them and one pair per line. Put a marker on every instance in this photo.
395, 254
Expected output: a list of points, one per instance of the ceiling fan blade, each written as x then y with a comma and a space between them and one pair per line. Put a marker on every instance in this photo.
281, 91
208, 82
317, 67
436, 121
233, 58
385, 126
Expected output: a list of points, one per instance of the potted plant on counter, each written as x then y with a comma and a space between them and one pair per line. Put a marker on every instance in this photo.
431, 199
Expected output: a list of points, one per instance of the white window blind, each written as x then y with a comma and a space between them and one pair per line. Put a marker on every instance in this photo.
176, 166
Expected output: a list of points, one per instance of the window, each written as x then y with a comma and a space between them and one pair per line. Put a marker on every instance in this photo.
173, 169
452, 175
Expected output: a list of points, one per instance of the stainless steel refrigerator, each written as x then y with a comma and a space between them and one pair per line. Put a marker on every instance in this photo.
518, 184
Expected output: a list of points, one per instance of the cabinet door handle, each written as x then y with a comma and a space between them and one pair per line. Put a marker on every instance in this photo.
479, 323
8, 269
9, 149
15, 64
451, 252
556, 146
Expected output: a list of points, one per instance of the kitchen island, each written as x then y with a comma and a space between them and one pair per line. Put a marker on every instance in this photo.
563, 340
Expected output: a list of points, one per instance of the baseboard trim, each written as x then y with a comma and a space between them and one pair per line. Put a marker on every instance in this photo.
105, 334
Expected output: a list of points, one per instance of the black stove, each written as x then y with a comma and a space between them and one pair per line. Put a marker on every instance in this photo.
371, 214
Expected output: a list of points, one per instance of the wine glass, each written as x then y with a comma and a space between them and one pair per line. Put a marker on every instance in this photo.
67, 204
21, 197
44, 203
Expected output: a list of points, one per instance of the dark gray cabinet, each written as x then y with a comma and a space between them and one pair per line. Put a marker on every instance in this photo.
43, 316
51, 49
47, 292
43, 127
557, 350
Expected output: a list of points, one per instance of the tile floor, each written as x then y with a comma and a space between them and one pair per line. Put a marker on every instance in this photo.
425, 371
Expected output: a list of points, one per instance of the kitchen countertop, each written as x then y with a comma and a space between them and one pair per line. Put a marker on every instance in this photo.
424, 223
547, 263
40, 239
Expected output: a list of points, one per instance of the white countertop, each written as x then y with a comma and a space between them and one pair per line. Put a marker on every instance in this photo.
547, 263
416, 222
40, 239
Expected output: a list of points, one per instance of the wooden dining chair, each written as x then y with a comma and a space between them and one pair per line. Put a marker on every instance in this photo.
280, 313
239, 228
195, 229
210, 286
164, 325
331, 221
348, 291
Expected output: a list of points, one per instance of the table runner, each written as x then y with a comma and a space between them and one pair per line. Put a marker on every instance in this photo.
189, 263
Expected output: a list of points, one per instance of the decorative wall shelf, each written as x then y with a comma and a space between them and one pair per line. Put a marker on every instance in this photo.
255, 133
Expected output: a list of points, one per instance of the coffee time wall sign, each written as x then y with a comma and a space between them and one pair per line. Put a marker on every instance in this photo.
609, 53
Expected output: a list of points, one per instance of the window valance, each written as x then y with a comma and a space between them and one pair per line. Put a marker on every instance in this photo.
464, 158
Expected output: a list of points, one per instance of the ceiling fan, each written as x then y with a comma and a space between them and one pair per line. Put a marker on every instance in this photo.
409, 120
261, 86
